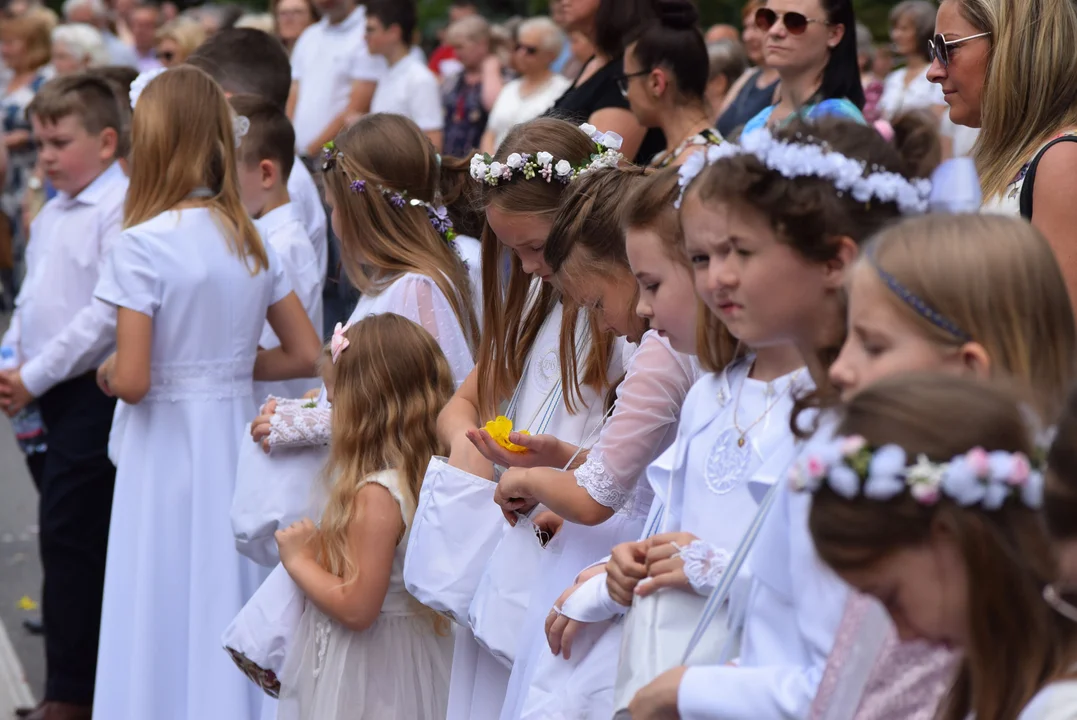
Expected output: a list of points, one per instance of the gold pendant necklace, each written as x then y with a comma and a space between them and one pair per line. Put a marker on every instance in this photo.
769, 392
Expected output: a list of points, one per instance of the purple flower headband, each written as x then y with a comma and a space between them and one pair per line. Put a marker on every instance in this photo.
850, 468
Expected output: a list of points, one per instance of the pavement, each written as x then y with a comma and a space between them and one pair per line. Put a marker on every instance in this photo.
22, 657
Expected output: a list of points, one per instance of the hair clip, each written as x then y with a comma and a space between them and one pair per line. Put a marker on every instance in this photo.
138, 85
241, 125
338, 343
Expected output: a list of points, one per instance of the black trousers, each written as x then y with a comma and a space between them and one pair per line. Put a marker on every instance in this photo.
74, 512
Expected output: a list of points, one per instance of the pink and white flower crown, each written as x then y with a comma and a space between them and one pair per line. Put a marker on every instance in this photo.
977, 478
542, 164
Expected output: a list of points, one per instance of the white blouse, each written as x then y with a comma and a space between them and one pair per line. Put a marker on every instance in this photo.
920, 94
1057, 701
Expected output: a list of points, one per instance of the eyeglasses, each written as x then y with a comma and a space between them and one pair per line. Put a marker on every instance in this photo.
622, 82
529, 49
796, 23
940, 46
167, 56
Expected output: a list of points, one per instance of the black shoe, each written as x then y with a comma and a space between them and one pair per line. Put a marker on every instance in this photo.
25, 712
34, 627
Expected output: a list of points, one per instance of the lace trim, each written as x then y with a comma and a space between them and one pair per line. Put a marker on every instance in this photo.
703, 565
321, 643
599, 484
213, 380
299, 426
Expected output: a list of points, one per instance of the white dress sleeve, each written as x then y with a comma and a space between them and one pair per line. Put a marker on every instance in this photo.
419, 299
648, 403
129, 277
299, 423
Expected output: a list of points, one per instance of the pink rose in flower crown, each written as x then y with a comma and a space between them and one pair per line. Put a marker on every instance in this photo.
852, 445
1020, 471
978, 461
925, 493
815, 468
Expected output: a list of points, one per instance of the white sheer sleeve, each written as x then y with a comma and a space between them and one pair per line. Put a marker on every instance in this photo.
648, 405
299, 423
418, 298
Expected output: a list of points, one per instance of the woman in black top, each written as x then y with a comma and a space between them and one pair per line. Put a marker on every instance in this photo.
595, 97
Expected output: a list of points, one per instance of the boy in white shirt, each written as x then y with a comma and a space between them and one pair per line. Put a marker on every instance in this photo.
61, 335
264, 161
408, 88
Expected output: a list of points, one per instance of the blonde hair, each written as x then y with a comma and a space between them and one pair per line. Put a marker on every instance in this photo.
380, 242
1030, 86
511, 318
997, 280
389, 385
35, 29
186, 33
182, 140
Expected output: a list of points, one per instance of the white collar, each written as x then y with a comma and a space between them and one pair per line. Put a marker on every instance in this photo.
99, 189
277, 218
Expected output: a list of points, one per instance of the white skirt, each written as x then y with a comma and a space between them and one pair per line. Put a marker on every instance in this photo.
398, 669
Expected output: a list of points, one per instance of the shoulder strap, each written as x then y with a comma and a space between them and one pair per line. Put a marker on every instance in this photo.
1030, 175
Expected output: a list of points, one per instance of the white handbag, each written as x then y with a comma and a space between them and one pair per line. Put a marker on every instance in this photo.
272, 492
659, 633
260, 635
456, 528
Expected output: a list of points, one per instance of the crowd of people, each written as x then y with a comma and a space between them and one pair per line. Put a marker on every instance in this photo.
596, 366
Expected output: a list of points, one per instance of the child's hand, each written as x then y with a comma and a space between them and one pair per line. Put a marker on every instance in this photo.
561, 630
514, 493
626, 567
542, 450
296, 542
664, 565
103, 374
548, 523
312, 394
260, 426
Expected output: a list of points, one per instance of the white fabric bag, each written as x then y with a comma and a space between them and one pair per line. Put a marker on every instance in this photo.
260, 635
453, 535
497, 613
272, 492
659, 633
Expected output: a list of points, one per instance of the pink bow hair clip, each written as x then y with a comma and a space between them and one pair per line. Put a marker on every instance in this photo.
339, 343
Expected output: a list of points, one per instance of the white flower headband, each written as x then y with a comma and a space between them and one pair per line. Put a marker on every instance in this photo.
491, 172
850, 467
240, 124
808, 159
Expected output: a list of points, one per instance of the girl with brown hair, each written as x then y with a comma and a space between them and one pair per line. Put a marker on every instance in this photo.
928, 498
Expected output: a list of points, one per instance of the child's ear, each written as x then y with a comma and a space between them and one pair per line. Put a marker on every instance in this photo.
837, 268
109, 144
270, 173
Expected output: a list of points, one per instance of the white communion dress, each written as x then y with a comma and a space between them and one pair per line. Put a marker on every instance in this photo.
397, 669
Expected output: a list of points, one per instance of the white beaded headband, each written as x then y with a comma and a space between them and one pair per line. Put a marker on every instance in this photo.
542, 164
977, 478
808, 159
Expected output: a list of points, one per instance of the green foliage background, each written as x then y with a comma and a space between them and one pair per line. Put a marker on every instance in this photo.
871, 12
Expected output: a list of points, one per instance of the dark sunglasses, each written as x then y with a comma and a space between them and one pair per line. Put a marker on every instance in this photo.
622, 82
167, 56
796, 23
940, 46
529, 49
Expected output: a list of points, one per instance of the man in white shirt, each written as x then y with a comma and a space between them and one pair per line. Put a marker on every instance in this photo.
61, 334
333, 75
408, 87
248, 61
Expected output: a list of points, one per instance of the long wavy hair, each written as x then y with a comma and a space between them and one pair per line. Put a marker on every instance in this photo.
182, 141
380, 242
388, 387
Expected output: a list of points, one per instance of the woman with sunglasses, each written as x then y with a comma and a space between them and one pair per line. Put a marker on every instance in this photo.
812, 45
665, 82
1009, 69
756, 88
538, 44
595, 97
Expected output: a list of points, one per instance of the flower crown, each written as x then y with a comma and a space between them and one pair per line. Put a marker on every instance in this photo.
241, 125
808, 159
850, 467
491, 172
438, 214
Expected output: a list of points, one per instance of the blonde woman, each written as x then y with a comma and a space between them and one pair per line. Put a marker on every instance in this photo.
177, 39
1009, 69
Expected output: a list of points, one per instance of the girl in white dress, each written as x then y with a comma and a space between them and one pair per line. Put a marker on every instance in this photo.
773, 239
365, 649
549, 357
925, 296
193, 286
928, 497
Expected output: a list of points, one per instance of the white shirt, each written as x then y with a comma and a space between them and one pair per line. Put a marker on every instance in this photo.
512, 108
326, 60
411, 90
920, 94
307, 205
962, 137
59, 330
1057, 701
282, 230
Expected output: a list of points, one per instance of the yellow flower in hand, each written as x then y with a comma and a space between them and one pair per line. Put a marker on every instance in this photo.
499, 430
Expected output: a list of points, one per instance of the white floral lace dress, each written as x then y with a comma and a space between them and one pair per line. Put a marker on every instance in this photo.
397, 669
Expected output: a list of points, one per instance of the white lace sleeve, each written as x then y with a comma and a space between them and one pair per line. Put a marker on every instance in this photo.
648, 404
419, 299
703, 565
297, 424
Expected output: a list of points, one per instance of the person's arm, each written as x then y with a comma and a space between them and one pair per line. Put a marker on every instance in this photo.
458, 416
129, 376
1054, 212
372, 538
293, 94
297, 356
16, 139
625, 124
488, 144
492, 82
